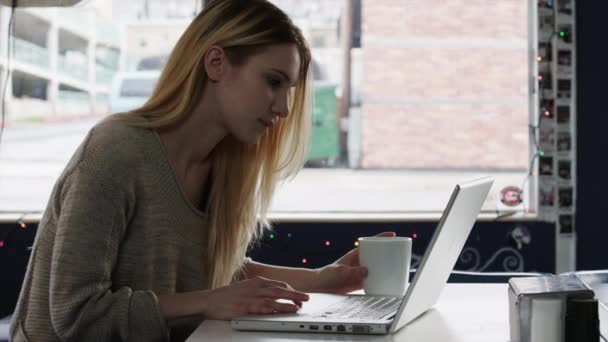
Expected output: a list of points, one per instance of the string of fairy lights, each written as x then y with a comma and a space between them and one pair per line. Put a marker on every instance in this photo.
555, 131
310, 253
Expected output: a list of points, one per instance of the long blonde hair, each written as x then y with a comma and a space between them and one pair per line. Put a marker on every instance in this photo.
244, 176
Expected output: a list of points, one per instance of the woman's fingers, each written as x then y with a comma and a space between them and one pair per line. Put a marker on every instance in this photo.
252, 296
268, 292
281, 293
267, 305
282, 290
285, 307
275, 293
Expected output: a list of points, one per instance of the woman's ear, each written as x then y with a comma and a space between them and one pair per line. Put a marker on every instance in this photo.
215, 60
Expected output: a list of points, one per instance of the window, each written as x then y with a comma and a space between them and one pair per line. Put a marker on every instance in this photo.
439, 92
137, 87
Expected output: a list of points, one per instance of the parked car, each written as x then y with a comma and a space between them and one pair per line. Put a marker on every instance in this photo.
130, 90
152, 62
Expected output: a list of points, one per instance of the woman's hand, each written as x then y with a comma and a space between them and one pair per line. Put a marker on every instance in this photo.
252, 296
345, 274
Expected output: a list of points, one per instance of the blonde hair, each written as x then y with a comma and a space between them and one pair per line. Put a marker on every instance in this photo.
244, 175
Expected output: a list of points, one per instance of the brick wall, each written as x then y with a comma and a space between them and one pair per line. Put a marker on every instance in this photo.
445, 84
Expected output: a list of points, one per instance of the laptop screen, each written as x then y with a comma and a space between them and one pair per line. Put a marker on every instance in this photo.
442, 252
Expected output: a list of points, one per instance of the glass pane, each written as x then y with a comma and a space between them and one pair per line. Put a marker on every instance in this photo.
434, 97
137, 87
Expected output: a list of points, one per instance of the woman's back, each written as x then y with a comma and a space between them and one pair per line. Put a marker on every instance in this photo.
117, 232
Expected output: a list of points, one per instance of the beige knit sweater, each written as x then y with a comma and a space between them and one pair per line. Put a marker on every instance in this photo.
117, 232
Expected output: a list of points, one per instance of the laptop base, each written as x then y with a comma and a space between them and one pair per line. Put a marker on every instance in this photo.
313, 327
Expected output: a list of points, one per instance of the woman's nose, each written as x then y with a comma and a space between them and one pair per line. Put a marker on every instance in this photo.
280, 107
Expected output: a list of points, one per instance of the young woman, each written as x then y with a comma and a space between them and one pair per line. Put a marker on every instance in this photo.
149, 223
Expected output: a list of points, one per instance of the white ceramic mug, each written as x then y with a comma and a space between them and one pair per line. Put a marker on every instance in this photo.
387, 260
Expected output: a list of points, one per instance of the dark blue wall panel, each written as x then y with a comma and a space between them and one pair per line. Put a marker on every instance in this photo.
14, 255
490, 246
592, 124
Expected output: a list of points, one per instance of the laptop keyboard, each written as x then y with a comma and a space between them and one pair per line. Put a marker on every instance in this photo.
361, 307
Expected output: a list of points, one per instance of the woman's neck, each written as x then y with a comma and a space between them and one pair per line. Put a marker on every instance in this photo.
191, 142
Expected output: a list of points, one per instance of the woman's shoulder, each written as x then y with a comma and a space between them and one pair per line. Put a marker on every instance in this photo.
112, 130
115, 142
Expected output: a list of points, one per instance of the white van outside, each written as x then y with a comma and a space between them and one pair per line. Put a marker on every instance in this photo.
132, 89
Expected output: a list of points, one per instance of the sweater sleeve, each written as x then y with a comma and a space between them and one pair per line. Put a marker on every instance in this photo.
91, 221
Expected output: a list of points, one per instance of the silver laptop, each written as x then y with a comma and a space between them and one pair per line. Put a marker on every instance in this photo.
361, 314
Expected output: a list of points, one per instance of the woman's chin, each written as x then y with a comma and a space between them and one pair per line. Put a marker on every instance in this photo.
251, 138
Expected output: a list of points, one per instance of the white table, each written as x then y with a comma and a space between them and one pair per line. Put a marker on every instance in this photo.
464, 313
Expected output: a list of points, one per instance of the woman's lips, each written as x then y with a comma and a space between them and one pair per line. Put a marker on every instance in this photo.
266, 123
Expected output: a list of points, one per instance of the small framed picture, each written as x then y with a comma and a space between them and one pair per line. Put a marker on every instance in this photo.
563, 141
564, 58
546, 135
546, 22
564, 61
565, 33
564, 88
566, 223
545, 165
564, 6
546, 108
546, 3
545, 81
564, 169
565, 197
546, 196
563, 115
